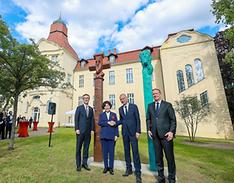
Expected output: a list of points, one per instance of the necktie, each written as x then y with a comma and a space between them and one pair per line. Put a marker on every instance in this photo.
126, 110
87, 111
157, 108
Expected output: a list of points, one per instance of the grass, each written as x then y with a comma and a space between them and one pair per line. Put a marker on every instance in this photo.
33, 161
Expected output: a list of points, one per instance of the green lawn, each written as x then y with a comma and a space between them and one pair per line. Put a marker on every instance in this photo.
33, 161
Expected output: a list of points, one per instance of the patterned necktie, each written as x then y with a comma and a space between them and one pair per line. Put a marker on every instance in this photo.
87, 111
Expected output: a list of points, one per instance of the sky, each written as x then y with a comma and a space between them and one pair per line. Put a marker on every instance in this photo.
100, 25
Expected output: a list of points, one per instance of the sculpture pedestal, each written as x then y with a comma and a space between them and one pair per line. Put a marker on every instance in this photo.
50, 129
23, 129
35, 123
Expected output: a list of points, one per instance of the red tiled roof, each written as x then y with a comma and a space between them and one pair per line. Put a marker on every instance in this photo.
123, 57
58, 34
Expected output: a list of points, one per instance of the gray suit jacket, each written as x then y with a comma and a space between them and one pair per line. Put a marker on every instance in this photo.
163, 122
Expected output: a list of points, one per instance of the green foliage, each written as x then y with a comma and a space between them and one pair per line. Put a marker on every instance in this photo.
192, 111
23, 68
224, 12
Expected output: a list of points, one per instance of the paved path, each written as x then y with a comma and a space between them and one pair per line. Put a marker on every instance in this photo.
120, 165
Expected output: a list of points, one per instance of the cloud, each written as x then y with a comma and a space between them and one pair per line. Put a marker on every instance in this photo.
97, 25
152, 25
87, 20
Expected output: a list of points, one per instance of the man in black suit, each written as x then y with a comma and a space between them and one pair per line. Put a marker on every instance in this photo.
84, 125
131, 129
9, 121
161, 126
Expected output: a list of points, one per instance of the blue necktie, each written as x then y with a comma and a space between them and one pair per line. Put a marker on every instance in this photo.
126, 110
157, 108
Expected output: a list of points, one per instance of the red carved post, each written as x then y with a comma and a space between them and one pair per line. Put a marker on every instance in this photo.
98, 100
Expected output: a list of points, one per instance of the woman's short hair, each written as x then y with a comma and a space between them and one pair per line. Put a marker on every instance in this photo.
106, 102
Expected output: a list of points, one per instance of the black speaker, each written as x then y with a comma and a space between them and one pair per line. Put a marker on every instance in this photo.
52, 108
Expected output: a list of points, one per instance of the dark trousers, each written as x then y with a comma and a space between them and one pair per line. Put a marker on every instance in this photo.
82, 140
8, 129
133, 141
160, 145
2, 131
108, 152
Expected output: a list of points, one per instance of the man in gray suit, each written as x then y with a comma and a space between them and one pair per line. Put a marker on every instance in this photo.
84, 124
161, 127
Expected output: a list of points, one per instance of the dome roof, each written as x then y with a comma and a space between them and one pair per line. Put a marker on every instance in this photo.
59, 20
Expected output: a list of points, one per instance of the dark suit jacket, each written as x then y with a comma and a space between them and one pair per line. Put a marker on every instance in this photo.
130, 123
107, 131
164, 121
82, 122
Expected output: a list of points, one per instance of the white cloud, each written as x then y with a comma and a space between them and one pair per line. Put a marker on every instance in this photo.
89, 20
152, 25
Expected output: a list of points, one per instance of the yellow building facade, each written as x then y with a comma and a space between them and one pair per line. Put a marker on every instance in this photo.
186, 55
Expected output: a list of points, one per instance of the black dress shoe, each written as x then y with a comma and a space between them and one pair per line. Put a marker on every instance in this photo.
105, 170
138, 179
78, 169
86, 167
127, 173
111, 171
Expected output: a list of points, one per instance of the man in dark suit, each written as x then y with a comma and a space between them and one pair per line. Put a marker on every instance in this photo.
161, 127
84, 124
131, 129
2, 126
9, 121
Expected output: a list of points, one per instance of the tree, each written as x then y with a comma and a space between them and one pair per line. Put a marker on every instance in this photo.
23, 68
224, 12
192, 111
223, 46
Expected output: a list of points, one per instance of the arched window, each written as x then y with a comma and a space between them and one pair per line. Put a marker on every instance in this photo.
189, 75
199, 69
180, 80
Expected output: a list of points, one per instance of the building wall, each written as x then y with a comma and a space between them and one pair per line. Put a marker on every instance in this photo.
62, 98
174, 56
120, 86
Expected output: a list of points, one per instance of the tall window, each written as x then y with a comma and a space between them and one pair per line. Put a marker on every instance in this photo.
130, 98
112, 100
54, 58
111, 77
80, 100
93, 101
204, 98
189, 75
129, 75
180, 80
81, 81
94, 75
199, 69
69, 78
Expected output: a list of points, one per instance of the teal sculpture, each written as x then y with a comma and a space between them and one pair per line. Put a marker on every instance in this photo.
147, 70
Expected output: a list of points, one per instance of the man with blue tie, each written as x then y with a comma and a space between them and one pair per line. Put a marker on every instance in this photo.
161, 127
84, 124
131, 129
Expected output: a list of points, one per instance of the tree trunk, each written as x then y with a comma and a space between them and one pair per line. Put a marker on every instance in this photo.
12, 139
188, 130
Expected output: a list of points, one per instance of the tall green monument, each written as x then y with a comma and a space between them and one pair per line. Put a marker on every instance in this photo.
147, 70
